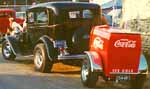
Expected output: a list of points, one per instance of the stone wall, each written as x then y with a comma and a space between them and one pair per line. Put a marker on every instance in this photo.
136, 17
142, 26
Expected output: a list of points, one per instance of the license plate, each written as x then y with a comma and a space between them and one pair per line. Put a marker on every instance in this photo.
60, 44
123, 77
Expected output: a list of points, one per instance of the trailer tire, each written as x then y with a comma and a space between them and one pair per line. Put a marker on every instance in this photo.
7, 51
138, 82
88, 77
41, 60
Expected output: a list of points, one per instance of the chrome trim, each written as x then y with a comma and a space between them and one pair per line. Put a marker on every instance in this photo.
66, 57
94, 67
90, 58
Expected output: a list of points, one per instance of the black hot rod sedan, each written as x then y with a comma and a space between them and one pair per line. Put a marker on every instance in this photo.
55, 31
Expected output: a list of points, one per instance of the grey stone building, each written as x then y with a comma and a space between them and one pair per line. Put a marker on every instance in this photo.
136, 17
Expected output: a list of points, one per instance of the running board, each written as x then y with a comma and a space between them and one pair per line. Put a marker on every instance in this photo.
18, 56
66, 57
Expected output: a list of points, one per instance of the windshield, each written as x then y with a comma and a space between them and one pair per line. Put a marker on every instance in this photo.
20, 15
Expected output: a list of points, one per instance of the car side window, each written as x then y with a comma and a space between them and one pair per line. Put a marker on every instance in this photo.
74, 14
87, 14
42, 17
31, 18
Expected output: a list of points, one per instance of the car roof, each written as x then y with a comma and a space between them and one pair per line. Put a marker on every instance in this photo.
65, 4
57, 6
7, 10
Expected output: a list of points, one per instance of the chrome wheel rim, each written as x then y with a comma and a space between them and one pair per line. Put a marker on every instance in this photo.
7, 51
38, 58
85, 71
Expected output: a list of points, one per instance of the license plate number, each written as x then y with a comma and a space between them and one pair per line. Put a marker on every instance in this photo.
123, 77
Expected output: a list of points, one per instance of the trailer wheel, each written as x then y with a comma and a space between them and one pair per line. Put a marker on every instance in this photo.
138, 82
7, 51
41, 60
88, 77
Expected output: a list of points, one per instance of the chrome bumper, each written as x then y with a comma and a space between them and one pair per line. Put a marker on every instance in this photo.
66, 57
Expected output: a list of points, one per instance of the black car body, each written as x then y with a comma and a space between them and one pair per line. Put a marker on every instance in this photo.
55, 31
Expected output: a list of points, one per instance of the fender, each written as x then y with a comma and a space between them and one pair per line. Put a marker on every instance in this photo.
48, 42
13, 44
95, 61
143, 66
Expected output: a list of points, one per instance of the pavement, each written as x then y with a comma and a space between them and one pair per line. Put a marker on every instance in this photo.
20, 74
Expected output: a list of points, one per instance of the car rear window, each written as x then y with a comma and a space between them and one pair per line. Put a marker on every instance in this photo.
80, 14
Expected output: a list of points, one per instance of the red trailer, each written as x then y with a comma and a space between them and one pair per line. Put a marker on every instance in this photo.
4, 19
115, 55
5, 14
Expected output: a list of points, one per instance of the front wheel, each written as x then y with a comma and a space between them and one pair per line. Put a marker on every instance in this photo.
7, 52
41, 60
138, 82
88, 77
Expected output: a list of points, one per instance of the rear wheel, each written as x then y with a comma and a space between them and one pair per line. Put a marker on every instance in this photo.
41, 60
7, 51
80, 39
138, 82
88, 77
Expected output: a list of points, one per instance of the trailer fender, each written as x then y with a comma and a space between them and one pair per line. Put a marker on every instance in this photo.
51, 51
143, 66
13, 42
95, 61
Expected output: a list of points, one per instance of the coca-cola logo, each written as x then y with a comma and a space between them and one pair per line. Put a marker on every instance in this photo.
98, 43
125, 43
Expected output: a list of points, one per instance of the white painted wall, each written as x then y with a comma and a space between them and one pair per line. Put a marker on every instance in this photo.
133, 9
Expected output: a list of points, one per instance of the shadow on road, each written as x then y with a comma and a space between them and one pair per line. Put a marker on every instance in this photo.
67, 72
24, 61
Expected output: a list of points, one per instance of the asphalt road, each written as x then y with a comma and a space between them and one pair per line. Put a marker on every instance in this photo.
20, 74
